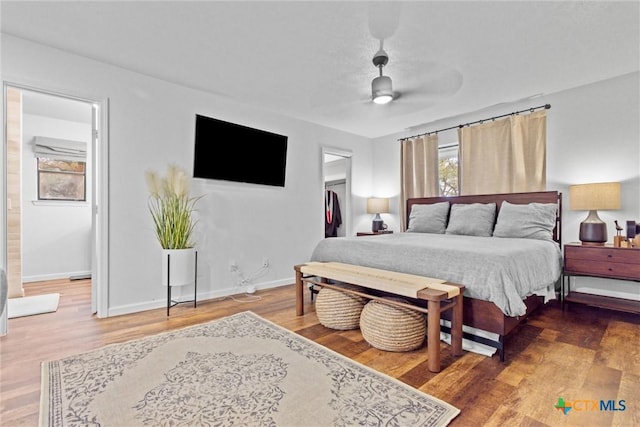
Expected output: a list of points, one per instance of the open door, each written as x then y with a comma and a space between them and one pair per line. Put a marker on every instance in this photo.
14, 198
95, 135
10, 248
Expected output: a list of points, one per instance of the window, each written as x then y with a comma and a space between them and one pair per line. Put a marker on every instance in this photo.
61, 180
448, 169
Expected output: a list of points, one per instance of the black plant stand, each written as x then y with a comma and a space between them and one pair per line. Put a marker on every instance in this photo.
172, 303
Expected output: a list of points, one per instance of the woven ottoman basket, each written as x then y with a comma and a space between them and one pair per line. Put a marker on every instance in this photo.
391, 328
338, 310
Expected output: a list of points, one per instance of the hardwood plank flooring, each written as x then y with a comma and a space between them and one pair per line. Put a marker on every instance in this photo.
583, 353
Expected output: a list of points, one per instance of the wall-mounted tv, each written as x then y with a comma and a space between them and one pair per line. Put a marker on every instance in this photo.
232, 152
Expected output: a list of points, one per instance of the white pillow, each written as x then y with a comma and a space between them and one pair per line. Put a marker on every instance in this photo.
428, 218
472, 219
531, 221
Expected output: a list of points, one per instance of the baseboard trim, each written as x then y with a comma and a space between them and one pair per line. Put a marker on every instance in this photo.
55, 276
188, 295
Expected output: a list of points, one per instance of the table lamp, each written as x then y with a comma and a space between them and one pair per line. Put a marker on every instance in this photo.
594, 197
377, 205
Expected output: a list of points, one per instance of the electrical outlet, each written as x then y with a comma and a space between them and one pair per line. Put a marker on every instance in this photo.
265, 262
233, 266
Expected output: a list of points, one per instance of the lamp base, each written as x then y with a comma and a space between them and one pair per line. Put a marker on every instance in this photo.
377, 225
593, 231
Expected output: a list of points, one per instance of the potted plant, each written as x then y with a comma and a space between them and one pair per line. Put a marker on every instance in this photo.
171, 208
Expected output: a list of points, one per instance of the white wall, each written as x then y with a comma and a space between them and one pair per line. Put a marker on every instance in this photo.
56, 235
593, 135
151, 123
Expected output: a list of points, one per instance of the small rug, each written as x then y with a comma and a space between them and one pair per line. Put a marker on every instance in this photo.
28, 306
240, 370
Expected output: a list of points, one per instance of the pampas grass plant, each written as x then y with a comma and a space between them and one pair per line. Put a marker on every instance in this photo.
171, 206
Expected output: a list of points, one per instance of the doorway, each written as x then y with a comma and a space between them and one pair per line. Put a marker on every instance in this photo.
68, 228
336, 172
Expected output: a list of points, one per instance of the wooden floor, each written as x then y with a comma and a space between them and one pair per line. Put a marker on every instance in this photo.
582, 354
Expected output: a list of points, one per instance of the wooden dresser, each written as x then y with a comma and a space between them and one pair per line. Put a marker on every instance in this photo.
373, 233
604, 262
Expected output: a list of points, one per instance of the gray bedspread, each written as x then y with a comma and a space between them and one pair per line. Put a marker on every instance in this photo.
500, 270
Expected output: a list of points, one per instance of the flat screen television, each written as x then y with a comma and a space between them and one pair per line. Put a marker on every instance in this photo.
231, 152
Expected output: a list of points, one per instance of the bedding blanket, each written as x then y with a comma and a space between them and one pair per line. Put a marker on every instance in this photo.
500, 270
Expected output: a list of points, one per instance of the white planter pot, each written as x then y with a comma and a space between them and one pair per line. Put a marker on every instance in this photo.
178, 267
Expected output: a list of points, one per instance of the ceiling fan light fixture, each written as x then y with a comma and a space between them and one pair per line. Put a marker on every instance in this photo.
381, 90
382, 99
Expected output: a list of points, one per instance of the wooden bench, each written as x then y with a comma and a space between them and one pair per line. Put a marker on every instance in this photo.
439, 295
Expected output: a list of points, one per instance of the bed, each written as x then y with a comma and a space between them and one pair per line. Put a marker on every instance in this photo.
507, 255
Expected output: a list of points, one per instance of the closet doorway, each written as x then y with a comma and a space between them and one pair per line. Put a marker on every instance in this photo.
336, 172
36, 119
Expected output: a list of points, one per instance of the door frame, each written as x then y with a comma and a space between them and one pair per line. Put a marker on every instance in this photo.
100, 197
347, 154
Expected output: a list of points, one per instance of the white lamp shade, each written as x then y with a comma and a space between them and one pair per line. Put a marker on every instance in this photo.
376, 205
596, 196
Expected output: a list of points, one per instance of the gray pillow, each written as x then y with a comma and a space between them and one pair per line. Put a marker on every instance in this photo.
428, 218
474, 219
531, 221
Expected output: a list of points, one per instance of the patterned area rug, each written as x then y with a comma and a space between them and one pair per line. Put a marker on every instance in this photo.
240, 370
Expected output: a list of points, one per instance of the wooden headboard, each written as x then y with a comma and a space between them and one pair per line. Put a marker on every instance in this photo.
514, 198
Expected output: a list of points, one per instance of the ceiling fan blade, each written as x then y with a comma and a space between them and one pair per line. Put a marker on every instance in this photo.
383, 18
435, 80
431, 91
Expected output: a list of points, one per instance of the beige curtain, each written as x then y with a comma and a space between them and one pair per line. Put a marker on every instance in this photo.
504, 156
530, 151
419, 169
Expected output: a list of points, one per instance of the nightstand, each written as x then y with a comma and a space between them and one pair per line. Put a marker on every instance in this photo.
603, 262
373, 233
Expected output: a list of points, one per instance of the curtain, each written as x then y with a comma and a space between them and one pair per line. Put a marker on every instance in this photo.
530, 151
419, 170
504, 156
60, 149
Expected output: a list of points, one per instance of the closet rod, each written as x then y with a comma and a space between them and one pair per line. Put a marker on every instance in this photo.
335, 182
545, 106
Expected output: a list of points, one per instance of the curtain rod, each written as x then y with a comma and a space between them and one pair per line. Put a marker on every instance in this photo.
545, 106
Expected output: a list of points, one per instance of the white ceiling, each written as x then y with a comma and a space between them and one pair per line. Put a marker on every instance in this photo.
312, 60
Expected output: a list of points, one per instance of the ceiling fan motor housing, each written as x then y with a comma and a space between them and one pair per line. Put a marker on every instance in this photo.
380, 59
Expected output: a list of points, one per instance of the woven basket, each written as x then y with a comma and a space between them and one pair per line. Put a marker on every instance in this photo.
338, 310
392, 328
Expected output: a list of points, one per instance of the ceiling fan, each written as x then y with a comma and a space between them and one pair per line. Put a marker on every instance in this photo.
422, 82
431, 83
381, 86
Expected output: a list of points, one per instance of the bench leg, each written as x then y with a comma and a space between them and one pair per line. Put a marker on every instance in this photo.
433, 336
299, 294
456, 327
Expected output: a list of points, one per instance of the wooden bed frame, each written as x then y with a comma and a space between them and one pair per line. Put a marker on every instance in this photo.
484, 314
